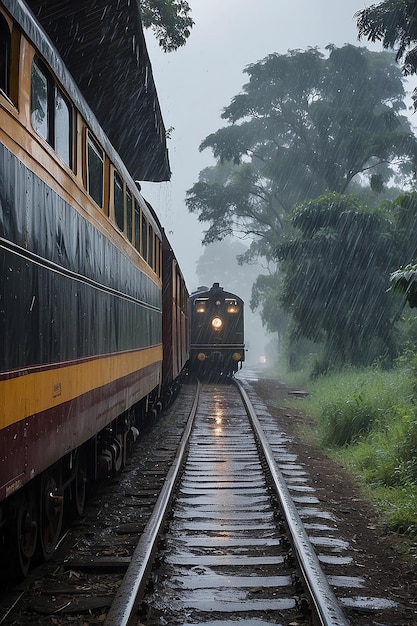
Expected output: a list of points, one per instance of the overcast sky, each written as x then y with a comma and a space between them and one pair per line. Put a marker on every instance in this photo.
197, 81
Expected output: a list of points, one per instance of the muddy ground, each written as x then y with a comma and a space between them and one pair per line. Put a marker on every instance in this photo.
390, 561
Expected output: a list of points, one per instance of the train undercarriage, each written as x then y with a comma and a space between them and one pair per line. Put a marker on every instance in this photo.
31, 519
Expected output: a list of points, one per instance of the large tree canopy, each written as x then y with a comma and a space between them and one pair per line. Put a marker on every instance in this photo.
306, 123
169, 20
335, 284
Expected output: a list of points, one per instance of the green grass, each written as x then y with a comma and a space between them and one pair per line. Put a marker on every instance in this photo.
367, 421
349, 404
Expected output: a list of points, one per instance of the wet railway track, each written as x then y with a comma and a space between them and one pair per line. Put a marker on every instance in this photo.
236, 541
235, 548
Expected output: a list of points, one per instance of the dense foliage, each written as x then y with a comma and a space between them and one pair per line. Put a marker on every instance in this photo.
336, 279
394, 23
306, 123
169, 20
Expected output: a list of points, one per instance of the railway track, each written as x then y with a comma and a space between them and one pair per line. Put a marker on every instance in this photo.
235, 548
237, 536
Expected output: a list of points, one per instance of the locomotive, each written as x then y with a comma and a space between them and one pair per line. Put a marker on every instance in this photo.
217, 333
94, 317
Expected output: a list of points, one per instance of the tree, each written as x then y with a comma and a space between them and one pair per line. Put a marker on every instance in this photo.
235, 201
265, 292
404, 279
305, 123
169, 20
335, 284
394, 23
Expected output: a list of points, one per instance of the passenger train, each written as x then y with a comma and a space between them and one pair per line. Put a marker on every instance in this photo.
94, 311
95, 316
217, 333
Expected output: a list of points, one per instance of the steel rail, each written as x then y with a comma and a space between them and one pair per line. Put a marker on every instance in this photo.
326, 605
133, 584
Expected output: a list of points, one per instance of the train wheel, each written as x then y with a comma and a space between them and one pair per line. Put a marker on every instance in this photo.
51, 511
24, 533
79, 485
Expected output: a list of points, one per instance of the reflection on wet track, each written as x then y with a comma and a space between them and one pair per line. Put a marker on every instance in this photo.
227, 557
224, 556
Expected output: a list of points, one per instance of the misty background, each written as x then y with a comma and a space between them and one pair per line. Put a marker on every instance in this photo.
194, 84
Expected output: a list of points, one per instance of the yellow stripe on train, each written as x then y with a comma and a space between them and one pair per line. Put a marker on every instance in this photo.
28, 394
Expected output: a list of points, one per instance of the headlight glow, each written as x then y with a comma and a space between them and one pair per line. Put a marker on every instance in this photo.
217, 323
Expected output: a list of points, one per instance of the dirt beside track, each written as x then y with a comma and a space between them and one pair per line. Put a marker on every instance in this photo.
389, 563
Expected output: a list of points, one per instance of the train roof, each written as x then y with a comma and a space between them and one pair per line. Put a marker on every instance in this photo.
204, 291
103, 46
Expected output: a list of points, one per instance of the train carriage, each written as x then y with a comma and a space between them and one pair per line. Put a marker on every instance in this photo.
217, 332
175, 320
81, 295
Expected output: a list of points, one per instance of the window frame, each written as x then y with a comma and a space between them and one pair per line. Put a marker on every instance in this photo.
129, 208
119, 207
137, 224
91, 141
144, 236
53, 90
6, 45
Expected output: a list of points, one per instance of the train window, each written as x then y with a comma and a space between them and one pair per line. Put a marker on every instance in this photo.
39, 101
4, 56
151, 255
95, 170
137, 227
200, 305
63, 125
129, 216
160, 258
157, 255
232, 305
144, 238
51, 112
119, 209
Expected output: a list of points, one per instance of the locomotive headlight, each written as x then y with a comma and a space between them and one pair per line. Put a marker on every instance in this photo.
236, 356
217, 323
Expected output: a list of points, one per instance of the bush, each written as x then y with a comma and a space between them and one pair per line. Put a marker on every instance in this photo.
345, 421
369, 420
351, 403
399, 508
